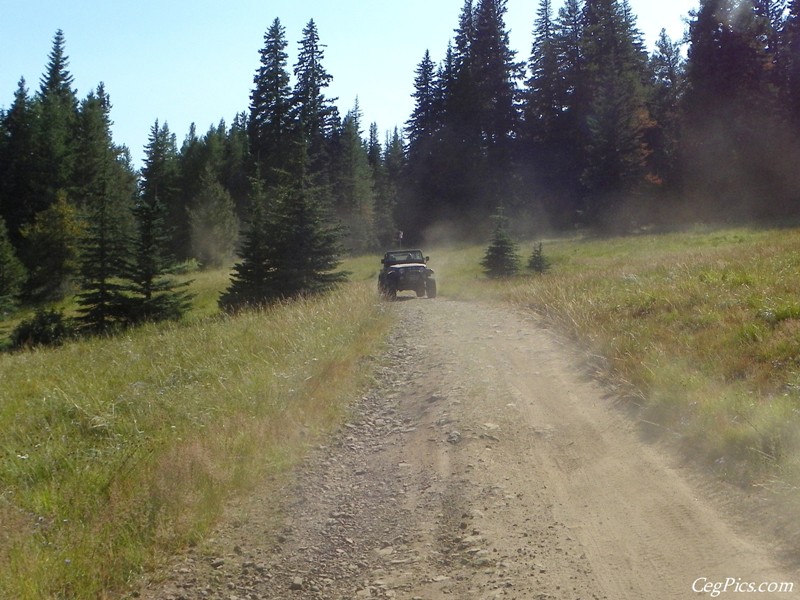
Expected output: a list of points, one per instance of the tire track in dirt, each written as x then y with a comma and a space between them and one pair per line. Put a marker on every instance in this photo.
483, 464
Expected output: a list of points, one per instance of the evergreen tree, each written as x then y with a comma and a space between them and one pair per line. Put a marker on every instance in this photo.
385, 192
728, 156
616, 115
106, 188
153, 292
236, 165
212, 224
354, 186
462, 132
18, 172
57, 119
424, 122
394, 167
270, 107
551, 136
426, 151
51, 248
192, 166
160, 173
306, 247
290, 249
544, 99
252, 280
502, 256
496, 73
459, 171
538, 262
668, 84
12, 272
790, 48
313, 112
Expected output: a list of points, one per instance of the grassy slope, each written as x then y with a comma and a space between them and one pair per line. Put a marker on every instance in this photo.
704, 327
116, 450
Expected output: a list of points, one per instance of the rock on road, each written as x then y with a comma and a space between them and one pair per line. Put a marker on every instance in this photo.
483, 464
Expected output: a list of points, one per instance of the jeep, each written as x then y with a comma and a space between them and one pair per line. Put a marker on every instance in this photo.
406, 270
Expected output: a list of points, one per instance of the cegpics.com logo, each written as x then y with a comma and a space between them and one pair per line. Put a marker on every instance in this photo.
703, 585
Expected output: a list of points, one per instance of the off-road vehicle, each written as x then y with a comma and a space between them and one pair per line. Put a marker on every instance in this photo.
406, 270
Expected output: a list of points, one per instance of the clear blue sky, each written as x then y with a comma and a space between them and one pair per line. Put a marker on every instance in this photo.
184, 61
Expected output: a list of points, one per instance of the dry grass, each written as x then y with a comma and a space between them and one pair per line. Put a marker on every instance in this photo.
114, 451
703, 327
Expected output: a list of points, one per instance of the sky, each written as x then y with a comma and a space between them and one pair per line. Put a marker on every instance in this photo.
193, 61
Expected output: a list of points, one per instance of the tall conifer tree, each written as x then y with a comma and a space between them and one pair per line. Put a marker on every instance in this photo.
106, 191
616, 117
313, 112
57, 121
270, 107
354, 185
18, 170
154, 293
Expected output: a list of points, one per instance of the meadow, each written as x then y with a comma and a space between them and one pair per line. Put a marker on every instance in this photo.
699, 331
117, 452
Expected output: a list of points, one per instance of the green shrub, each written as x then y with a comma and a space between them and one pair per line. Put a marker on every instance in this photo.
45, 328
538, 262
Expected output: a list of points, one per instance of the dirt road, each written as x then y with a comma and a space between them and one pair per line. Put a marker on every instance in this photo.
483, 464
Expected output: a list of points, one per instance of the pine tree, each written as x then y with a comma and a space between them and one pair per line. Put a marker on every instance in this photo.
496, 73
313, 112
290, 249
153, 292
51, 248
57, 119
538, 262
394, 167
424, 121
384, 188
790, 45
668, 85
616, 114
354, 186
106, 188
425, 148
502, 256
159, 177
252, 277
236, 165
270, 107
731, 113
18, 173
306, 246
192, 165
12, 272
212, 224
550, 136
543, 100
482, 109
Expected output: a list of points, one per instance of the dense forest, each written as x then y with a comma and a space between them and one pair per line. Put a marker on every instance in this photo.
591, 130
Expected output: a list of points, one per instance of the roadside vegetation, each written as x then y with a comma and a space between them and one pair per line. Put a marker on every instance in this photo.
701, 330
116, 451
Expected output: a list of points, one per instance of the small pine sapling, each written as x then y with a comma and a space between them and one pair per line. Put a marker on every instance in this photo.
501, 259
538, 262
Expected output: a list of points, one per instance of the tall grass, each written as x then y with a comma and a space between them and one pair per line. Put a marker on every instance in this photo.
114, 451
703, 327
